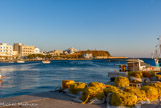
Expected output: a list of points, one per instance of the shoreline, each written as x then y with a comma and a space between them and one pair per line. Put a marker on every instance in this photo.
5, 61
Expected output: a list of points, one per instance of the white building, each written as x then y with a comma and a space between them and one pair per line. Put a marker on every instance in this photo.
87, 56
6, 50
36, 51
71, 50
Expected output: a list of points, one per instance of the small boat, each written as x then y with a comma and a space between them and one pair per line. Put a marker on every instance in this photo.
20, 61
46, 61
11, 62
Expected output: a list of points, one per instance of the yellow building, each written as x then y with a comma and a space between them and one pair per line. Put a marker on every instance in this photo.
23, 50
26, 50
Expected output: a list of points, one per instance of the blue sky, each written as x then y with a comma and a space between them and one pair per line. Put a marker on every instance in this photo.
122, 27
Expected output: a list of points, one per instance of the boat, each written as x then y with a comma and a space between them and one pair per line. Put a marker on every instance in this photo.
132, 65
11, 62
157, 59
46, 62
20, 61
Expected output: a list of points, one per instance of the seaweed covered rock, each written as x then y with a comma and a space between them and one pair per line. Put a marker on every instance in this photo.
121, 81
77, 87
137, 74
110, 89
66, 84
141, 96
151, 92
123, 99
157, 85
90, 93
97, 84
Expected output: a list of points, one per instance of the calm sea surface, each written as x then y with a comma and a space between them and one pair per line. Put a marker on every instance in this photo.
34, 77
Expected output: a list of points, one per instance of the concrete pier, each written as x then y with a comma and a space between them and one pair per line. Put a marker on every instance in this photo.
53, 99
44, 100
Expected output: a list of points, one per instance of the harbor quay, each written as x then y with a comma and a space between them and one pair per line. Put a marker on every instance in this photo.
54, 99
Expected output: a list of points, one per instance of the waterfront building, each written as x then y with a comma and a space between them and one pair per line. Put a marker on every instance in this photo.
87, 56
23, 50
16, 46
26, 50
15, 54
6, 51
56, 52
71, 50
36, 51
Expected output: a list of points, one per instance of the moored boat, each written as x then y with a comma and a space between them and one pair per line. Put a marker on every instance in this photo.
11, 62
46, 62
20, 61
133, 65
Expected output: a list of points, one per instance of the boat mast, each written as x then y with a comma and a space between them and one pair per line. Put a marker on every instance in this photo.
159, 47
152, 55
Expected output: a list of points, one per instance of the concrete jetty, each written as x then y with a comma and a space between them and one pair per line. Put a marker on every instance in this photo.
44, 100
52, 99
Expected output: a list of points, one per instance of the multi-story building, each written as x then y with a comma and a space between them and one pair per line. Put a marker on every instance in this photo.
23, 50
6, 51
26, 50
16, 46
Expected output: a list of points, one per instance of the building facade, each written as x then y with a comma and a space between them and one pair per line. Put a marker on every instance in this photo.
56, 52
71, 50
23, 50
87, 56
36, 51
26, 50
15, 53
6, 50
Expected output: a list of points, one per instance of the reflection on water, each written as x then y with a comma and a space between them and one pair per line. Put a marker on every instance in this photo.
31, 77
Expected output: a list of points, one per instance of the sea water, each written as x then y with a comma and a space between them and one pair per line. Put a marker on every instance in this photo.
35, 77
